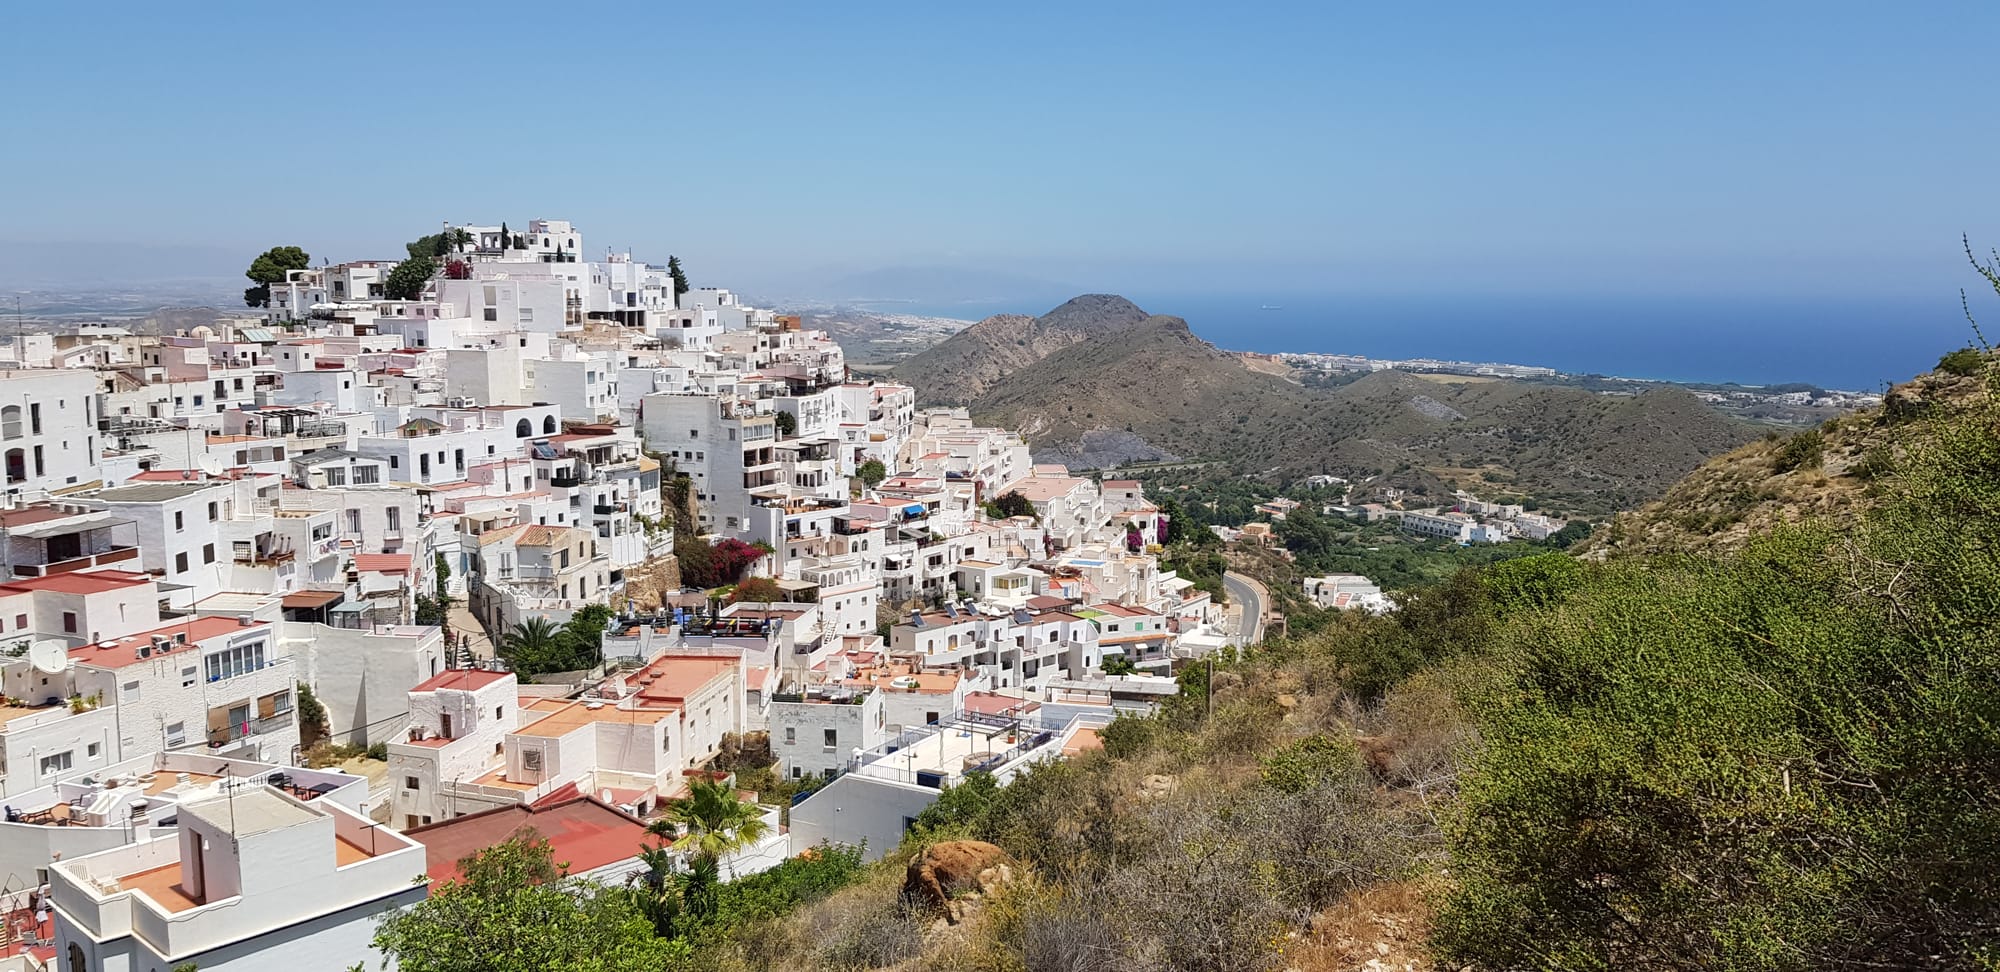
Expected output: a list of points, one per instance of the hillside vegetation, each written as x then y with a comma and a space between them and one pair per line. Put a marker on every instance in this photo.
1773, 758
1827, 474
1127, 387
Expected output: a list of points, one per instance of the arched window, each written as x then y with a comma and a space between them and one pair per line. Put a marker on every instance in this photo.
77, 963
17, 465
10, 422
549, 425
522, 429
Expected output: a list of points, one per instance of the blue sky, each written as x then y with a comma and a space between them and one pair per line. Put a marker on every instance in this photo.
1687, 148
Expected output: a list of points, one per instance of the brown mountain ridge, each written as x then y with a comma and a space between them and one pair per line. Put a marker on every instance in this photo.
1098, 383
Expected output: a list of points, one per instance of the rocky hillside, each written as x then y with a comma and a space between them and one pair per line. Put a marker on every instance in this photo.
1149, 389
1823, 474
969, 363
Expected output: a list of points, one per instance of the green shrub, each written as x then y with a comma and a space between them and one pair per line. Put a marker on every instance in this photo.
1311, 763
1964, 361
1803, 450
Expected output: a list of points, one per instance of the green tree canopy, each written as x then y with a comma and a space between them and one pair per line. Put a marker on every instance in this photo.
515, 909
680, 278
711, 823
406, 282
873, 472
270, 267
1011, 504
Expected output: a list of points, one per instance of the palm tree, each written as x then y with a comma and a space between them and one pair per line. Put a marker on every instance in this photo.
711, 822
659, 890
530, 644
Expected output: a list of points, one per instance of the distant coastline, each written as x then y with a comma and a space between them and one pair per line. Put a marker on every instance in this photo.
1833, 342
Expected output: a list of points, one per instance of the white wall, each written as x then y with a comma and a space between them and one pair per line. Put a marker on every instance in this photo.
859, 810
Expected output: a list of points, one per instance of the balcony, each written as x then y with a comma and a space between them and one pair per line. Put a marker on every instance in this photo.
86, 562
565, 480
218, 738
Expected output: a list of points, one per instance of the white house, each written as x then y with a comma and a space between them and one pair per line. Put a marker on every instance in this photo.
48, 430
255, 879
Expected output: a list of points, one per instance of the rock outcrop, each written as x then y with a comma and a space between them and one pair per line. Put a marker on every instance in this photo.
944, 877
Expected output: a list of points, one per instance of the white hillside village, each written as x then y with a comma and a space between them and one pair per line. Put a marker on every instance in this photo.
534, 543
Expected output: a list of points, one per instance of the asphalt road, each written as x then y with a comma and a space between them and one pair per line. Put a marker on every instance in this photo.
1243, 593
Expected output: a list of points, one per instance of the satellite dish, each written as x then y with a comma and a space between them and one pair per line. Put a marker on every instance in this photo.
209, 464
49, 657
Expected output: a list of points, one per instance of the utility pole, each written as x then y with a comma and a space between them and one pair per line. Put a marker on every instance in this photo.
1211, 687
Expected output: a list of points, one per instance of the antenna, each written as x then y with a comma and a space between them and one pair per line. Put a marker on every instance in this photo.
209, 464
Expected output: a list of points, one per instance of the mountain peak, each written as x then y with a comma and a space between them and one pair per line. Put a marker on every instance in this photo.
1095, 313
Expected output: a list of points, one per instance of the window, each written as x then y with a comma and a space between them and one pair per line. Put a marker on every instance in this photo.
208, 553
187, 677
10, 422
336, 476
20, 621
178, 524
214, 512
410, 783
791, 736
531, 760
367, 475
548, 425
832, 739
91, 751
797, 772
235, 660
523, 429
181, 563
395, 462
34, 418
128, 692
56, 763
177, 733
69, 622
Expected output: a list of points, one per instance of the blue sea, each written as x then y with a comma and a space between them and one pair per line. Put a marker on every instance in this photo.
1857, 344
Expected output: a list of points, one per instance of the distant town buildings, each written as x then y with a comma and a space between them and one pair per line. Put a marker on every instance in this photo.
199, 528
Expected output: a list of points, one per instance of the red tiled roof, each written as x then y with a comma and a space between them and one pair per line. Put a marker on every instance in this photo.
397, 563
583, 832
122, 651
463, 679
87, 582
675, 677
168, 475
988, 703
32, 514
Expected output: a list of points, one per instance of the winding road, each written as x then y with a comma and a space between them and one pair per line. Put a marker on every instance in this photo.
1247, 594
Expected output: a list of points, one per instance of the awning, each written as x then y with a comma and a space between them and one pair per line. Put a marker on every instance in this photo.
70, 524
914, 509
309, 600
